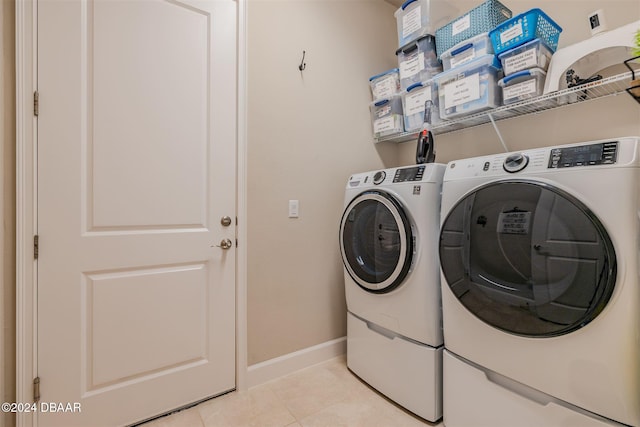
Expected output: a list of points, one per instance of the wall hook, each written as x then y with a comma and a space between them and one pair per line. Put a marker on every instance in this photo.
302, 65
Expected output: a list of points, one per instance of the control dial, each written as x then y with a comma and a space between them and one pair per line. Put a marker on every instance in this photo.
379, 177
515, 162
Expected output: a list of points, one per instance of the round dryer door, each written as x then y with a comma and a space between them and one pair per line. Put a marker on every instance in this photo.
527, 258
376, 241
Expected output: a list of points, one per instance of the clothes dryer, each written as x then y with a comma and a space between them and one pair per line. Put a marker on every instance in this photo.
389, 244
540, 287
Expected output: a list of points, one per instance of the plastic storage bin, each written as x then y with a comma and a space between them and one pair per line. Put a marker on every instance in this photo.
481, 19
467, 51
414, 100
386, 116
470, 88
417, 61
416, 18
533, 24
385, 84
522, 85
533, 54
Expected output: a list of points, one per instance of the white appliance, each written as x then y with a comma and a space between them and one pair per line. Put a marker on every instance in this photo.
540, 287
591, 56
389, 245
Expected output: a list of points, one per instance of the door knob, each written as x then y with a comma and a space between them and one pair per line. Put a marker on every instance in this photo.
224, 244
225, 221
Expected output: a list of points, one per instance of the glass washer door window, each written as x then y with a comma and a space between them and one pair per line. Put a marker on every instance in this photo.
376, 241
527, 258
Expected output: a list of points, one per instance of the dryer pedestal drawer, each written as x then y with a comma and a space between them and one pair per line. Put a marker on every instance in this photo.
477, 397
405, 371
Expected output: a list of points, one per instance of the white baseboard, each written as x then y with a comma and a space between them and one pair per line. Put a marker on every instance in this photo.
280, 366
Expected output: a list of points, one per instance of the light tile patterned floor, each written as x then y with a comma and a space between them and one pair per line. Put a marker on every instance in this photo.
324, 395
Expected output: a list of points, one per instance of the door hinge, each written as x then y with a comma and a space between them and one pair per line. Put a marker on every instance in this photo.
36, 246
36, 103
36, 389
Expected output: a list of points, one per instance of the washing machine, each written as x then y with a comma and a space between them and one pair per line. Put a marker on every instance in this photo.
540, 288
389, 244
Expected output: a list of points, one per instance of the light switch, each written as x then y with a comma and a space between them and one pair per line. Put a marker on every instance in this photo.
293, 209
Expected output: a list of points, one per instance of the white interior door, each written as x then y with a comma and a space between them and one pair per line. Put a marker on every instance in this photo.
136, 167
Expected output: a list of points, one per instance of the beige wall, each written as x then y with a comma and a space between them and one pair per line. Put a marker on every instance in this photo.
7, 208
603, 118
307, 132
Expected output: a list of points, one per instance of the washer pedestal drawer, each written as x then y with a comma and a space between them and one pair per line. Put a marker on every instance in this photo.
475, 397
407, 372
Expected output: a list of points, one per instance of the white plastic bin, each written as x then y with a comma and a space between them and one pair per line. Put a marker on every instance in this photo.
534, 54
385, 84
417, 61
416, 18
522, 85
467, 51
470, 88
386, 116
414, 100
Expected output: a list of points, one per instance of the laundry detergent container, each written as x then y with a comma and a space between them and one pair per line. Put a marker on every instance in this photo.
417, 61
416, 18
470, 88
386, 116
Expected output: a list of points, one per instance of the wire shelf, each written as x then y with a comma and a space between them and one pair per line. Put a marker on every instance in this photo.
599, 89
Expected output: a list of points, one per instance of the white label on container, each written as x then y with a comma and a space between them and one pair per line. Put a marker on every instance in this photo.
463, 57
412, 66
414, 102
385, 87
411, 22
511, 33
520, 89
462, 91
521, 61
383, 125
383, 111
514, 222
461, 24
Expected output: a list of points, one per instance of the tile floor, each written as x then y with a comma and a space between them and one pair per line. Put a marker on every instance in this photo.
324, 395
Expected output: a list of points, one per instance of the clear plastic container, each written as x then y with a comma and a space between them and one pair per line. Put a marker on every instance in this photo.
414, 101
385, 84
470, 88
386, 116
416, 18
467, 51
417, 61
534, 54
522, 85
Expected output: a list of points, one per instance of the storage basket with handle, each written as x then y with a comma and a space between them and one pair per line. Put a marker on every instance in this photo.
523, 28
481, 19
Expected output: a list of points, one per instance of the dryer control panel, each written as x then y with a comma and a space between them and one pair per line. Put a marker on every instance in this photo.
584, 155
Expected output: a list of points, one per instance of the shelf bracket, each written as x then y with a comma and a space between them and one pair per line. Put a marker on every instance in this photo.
495, 127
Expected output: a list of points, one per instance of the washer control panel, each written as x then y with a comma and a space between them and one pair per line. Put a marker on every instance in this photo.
409, 174
584, 155
515, 162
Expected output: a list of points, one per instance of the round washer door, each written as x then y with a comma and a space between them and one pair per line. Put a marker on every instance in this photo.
527, 258
376, 241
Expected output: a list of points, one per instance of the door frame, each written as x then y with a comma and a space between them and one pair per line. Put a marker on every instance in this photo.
27, 208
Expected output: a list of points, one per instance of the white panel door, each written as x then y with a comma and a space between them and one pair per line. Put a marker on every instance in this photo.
136, 168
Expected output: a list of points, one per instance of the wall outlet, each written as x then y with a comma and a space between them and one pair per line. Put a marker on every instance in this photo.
294, 207
597, 23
